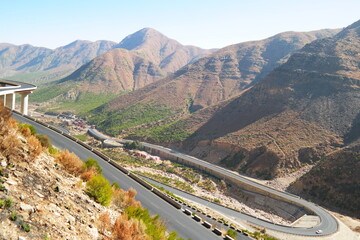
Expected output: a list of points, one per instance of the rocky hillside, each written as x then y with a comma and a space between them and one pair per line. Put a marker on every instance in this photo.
211, 79
57, 196
304, 109
334, 181
39, 64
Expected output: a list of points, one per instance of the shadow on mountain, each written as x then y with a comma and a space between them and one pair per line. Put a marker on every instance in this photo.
354, 132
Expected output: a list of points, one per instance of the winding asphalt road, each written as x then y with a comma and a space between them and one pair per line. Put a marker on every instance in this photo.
328, 223
174, 219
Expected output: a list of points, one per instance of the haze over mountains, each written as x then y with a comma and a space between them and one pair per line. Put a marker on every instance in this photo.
38, 64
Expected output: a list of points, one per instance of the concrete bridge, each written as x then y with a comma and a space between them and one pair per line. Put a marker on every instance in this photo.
9, 88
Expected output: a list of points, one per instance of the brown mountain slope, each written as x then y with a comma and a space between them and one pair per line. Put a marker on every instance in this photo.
301, 111
167, 53
153, 56
115, 71
212, 79
334, 181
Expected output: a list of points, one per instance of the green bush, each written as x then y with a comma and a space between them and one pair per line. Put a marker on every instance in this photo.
44, 140
8, 203
100, 189
53, 151
13, 216
2, 187
26, 227
115, 185
232, 233
2, 203
90, 162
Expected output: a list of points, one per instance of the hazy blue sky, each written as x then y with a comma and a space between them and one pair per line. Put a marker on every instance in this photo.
207, 24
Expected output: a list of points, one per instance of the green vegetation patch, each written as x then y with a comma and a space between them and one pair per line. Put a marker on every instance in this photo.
168, 181
171, 132
81, 137
115, 122
46, 93
155, 229
83, 103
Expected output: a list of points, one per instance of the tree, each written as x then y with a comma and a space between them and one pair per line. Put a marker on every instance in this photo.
133, 145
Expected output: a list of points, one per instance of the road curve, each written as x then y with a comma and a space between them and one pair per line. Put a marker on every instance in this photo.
174, 219
328, 223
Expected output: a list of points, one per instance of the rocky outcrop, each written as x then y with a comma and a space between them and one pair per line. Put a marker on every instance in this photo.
334, 182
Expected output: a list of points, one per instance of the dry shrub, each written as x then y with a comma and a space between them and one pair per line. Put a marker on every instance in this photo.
35, 147
70, 162
128, 229
9, 146
7, 124
9, 142
88, 174
123, 199
104, 220
118, 197
130, 198
26, 132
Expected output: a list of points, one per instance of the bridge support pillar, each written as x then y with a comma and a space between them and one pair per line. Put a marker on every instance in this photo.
24, 103
10, 101
2, 100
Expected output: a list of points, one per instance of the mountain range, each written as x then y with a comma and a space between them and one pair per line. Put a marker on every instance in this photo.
39, 65
307, 107
214, 78
304, 111
140, 59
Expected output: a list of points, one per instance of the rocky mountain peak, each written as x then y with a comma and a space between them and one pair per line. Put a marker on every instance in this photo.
142, 38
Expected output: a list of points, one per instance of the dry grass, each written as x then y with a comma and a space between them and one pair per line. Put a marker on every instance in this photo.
35, 147
104, 220
70, 162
